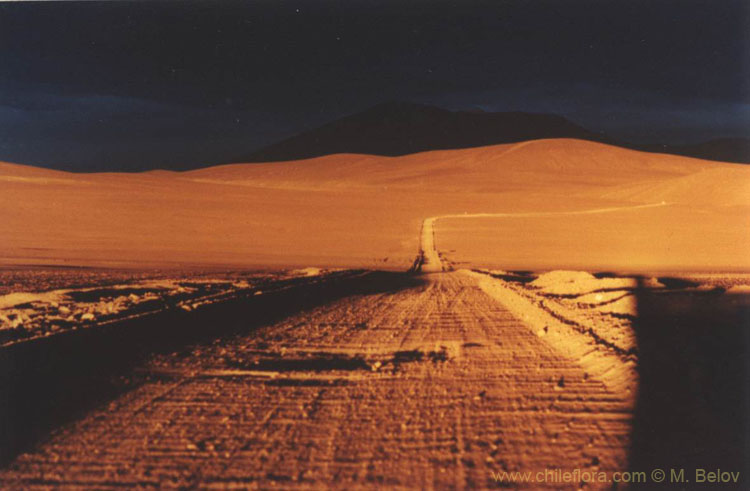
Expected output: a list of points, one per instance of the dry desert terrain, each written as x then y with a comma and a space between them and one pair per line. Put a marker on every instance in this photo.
568, 307
366, 211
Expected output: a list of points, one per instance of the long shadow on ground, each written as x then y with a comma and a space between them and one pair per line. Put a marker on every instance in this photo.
693, 402
49, 381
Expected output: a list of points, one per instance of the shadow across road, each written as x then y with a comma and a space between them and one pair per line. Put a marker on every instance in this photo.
49, 381
694, 399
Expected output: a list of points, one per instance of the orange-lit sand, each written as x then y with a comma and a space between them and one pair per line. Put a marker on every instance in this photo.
353, 210
356, 379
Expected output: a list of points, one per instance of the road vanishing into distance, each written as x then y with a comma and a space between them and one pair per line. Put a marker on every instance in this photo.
430, 384
430, 260
435, 385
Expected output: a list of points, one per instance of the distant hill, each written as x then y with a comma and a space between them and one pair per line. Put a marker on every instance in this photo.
397, 128
400, 128
389, 129
354, 211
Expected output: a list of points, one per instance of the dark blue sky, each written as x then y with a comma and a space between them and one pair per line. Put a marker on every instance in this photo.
148, 84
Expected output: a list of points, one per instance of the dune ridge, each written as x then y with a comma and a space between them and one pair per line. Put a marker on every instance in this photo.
366, 211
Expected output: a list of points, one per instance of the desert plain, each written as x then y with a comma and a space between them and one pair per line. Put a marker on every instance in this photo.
363, 211
436, 320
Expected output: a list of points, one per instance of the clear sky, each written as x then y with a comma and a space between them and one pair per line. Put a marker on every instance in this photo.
113, 83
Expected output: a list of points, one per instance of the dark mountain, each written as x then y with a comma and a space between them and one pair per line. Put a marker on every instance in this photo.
400, 128
722, 149
397, 128
388, 129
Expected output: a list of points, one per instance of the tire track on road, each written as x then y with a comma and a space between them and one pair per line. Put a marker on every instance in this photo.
429, 259
465, 390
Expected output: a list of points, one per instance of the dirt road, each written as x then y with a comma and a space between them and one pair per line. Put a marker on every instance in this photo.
430, 260
432, 386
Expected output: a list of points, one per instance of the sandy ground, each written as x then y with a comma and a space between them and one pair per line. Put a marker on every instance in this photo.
97, 297
440, 380
445, 379
434, 386
364, 211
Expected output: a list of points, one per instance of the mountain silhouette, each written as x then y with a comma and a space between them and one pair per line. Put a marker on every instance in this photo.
401, 128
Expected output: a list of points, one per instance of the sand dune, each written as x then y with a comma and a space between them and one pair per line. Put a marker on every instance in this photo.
359, 210
549, 162
720, 185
